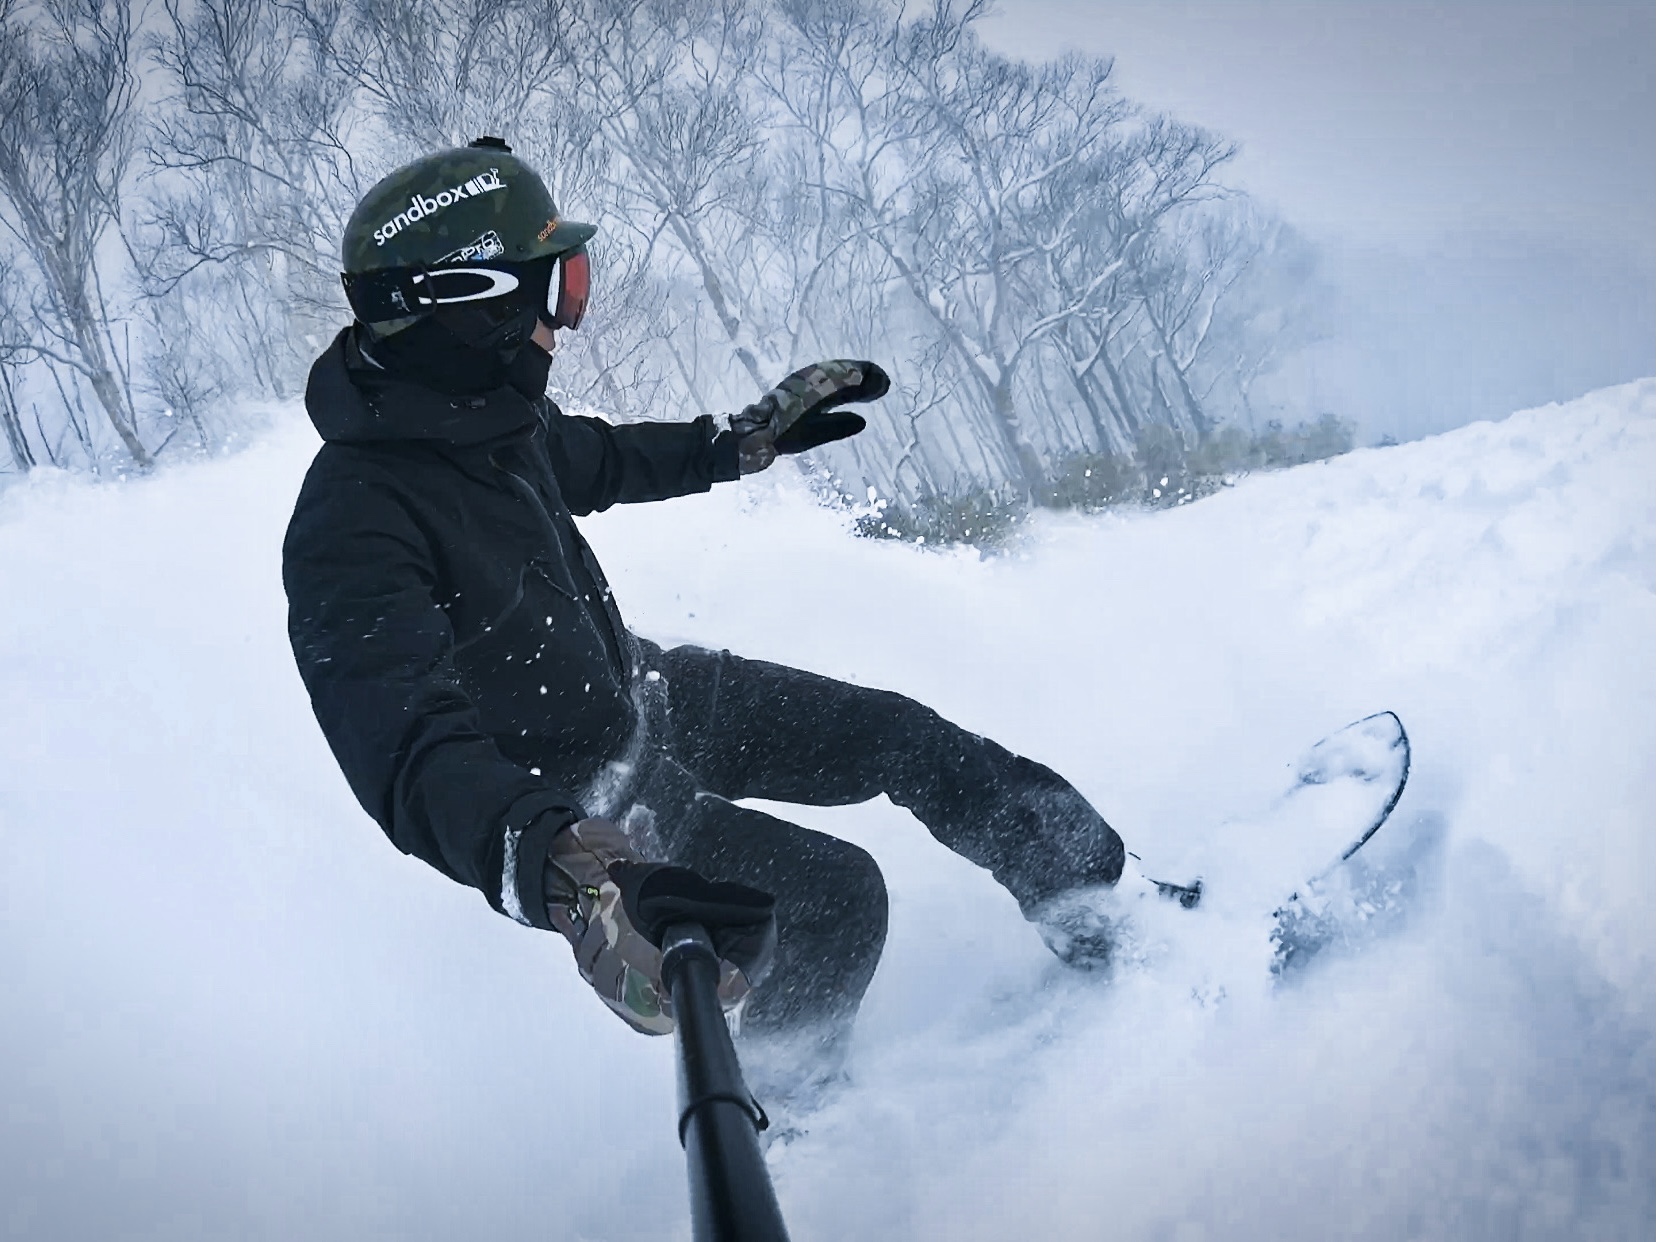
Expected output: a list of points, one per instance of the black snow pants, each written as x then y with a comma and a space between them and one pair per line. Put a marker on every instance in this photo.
728, 728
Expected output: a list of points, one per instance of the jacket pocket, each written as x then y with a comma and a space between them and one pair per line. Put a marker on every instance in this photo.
542, 681
500, 618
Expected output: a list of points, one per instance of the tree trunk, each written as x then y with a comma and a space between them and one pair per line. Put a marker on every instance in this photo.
89, 340
1199, 420
11, 418
727, 318
1109, 441
1031, 469
1132, 423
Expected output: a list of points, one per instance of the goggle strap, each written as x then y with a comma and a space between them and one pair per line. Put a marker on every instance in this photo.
390, 293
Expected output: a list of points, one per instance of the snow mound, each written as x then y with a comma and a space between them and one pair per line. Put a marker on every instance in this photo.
232, 1011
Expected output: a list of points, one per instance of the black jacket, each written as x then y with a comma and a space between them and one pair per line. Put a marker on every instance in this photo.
461, 648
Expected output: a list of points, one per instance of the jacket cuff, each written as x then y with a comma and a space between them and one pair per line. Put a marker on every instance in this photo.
522, 895
725, 464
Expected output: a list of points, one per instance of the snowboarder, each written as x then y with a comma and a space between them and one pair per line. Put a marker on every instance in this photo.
475, 679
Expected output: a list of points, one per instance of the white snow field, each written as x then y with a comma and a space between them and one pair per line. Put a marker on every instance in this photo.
229, 1009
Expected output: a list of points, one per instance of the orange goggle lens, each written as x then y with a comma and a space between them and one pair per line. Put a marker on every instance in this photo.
574, 286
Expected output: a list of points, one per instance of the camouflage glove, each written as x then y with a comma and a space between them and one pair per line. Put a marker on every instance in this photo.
801, 412
583, 901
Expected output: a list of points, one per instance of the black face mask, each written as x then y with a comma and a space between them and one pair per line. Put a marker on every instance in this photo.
529, 370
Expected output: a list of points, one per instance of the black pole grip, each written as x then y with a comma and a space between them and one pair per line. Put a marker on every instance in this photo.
731, 1196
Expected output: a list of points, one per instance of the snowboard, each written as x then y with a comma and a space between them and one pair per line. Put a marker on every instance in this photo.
1302, 870
1348, 896
1343, 791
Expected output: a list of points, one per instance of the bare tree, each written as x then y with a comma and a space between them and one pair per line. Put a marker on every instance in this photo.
665, 88
1018, 209
251, 177
1052, 271
1118, 267
441, 72
14, 354
1275, 306
850, 136
1004, 134
66, 149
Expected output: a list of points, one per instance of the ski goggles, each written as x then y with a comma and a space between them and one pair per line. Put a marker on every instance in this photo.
399, 292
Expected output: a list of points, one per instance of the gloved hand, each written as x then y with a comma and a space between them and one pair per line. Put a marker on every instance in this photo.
740, 920
801, 412
587, 866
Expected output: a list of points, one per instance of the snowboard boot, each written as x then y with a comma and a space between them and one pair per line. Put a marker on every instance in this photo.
1088, 927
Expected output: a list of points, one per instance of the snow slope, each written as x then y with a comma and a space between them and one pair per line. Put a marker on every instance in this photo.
231, 1010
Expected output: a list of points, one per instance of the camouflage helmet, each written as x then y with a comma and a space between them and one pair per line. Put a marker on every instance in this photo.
471, 204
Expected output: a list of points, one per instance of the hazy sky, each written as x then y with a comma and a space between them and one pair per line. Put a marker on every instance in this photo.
1394, 120
1483, 175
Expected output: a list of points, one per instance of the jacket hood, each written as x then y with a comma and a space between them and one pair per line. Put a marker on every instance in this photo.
353, 401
